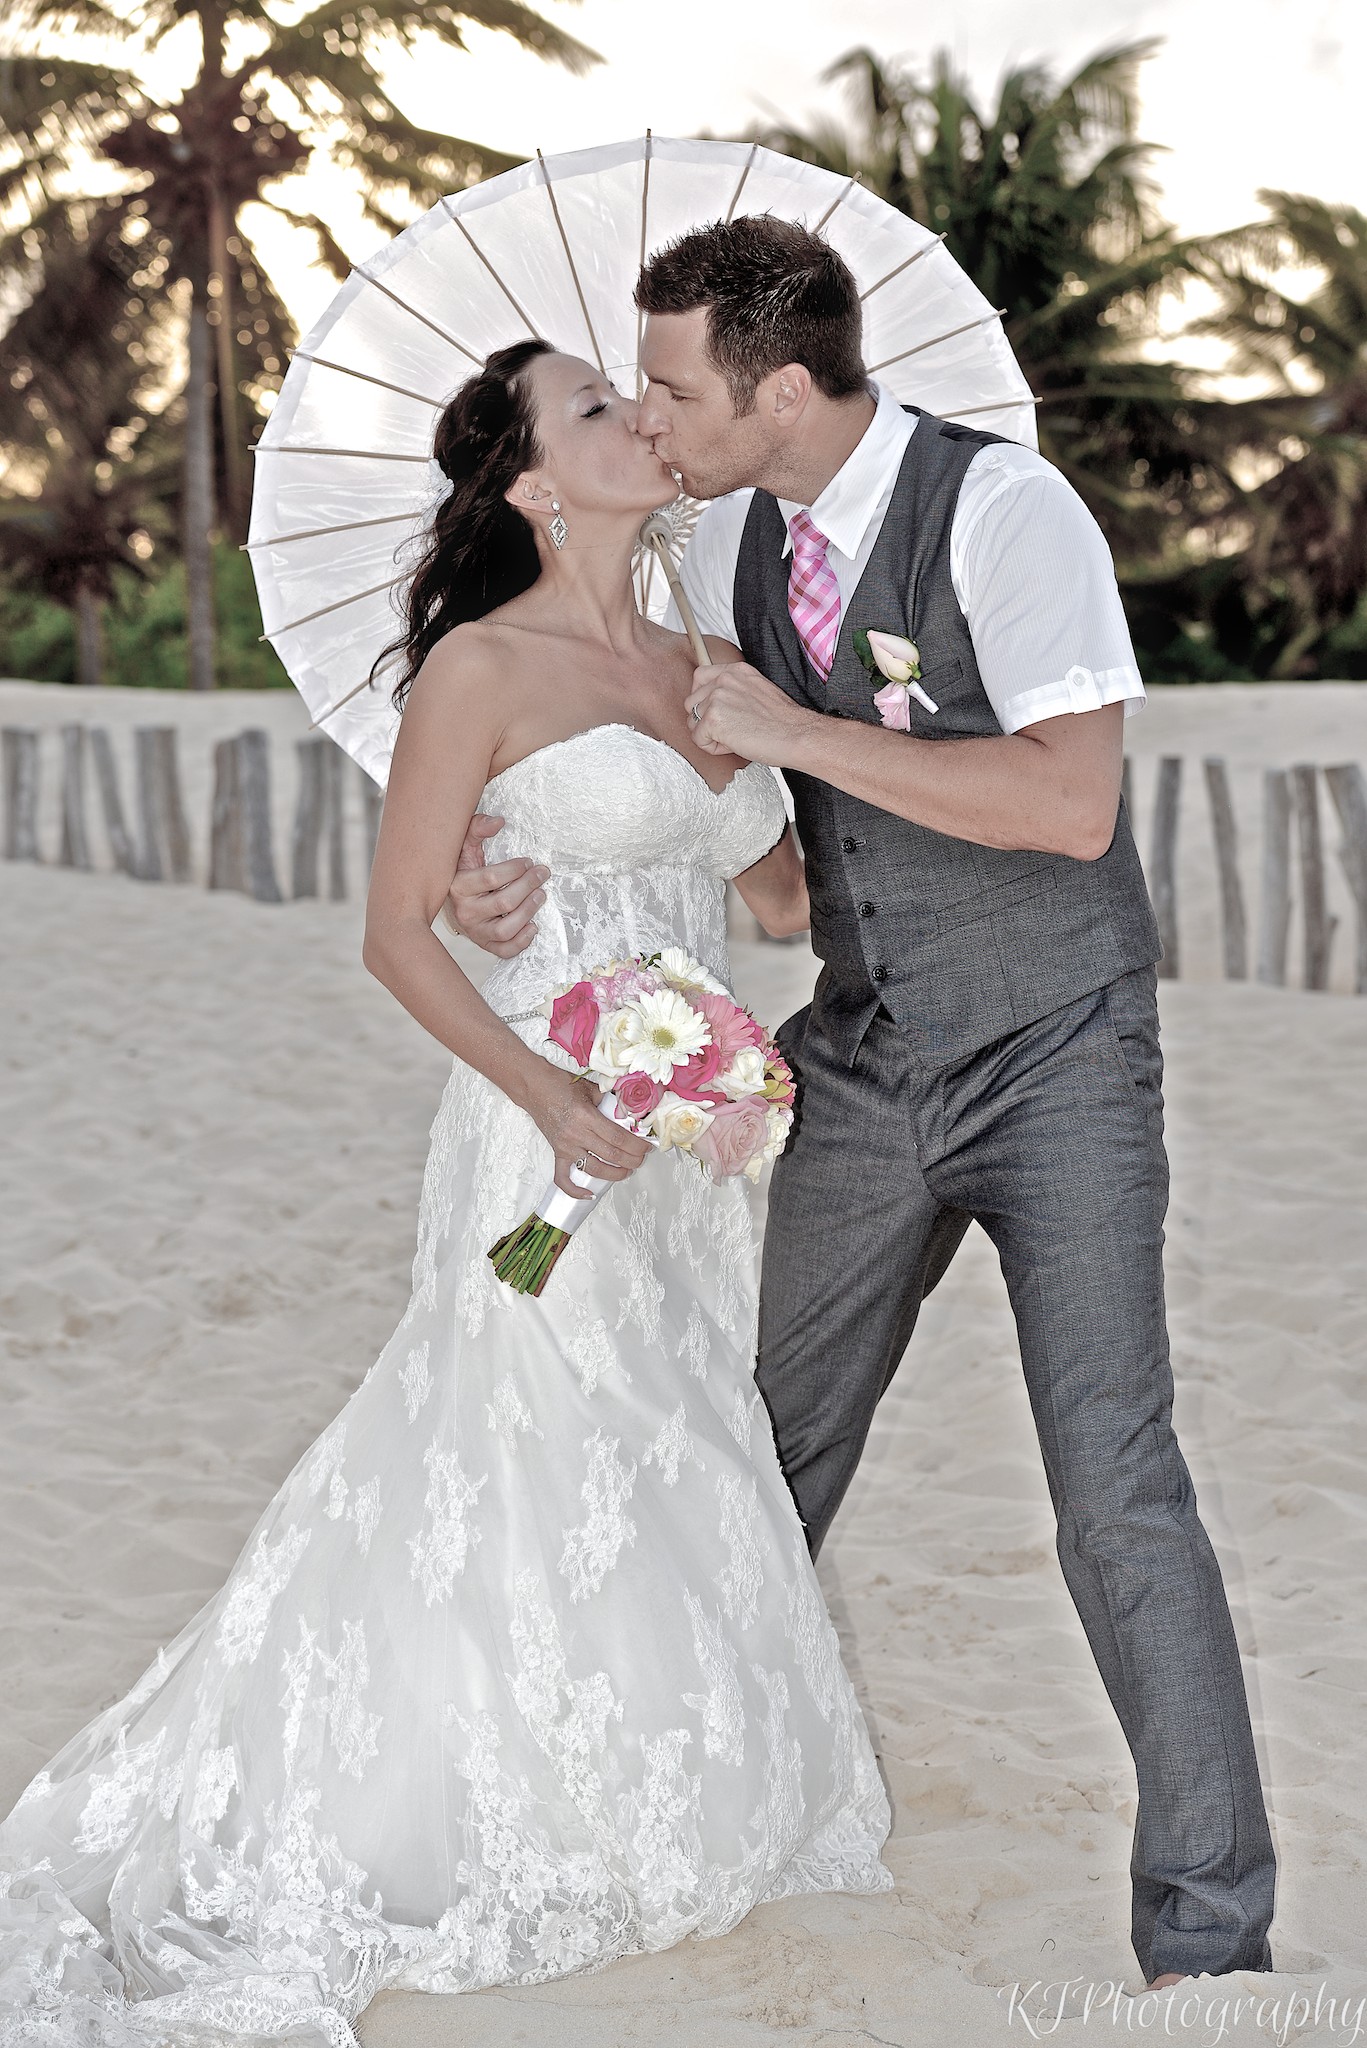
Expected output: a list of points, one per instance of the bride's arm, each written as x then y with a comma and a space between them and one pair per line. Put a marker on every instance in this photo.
776, 889
446, 741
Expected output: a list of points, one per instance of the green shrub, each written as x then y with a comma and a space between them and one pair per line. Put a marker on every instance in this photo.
144, 631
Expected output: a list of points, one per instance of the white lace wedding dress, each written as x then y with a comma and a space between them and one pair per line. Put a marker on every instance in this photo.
525, 1667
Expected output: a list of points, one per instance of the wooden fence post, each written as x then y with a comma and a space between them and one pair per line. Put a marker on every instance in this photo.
254, 777
1318, 931
1275, 916
1349, 790
1163, 862
107, 775
372, 803
149, 867
227, 869
75, 851
171, 804
308, 818
20, 749
333, 761
1233, 922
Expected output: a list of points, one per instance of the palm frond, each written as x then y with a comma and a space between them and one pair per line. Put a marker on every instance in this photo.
330, 250
439, 164
51, 104
346, 28
29, 18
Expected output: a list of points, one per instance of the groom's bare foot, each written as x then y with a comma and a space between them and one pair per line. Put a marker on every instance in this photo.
1168, 1979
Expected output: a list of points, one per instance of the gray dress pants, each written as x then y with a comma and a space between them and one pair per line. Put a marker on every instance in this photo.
1052, 1138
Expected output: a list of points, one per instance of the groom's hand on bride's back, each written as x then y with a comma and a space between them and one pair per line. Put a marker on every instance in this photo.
494, 907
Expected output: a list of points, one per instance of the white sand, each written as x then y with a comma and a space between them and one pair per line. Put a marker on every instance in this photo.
215, 1127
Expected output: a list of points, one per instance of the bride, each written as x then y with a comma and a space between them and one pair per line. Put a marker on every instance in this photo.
525, 1667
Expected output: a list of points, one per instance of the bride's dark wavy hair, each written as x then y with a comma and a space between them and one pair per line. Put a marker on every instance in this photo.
479, 552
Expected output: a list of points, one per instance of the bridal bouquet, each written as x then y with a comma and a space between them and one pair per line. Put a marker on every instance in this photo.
680, 1063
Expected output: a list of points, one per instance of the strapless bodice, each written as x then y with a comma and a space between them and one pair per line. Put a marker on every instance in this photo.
639, 847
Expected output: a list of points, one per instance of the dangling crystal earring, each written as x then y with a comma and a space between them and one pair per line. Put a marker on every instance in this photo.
559, 530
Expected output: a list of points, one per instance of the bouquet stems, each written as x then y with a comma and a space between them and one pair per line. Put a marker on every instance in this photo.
526, 1257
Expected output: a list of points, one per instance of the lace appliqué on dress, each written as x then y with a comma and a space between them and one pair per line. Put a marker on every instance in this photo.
439, 1551
592, 1549
743, 1574
508, 1413
246, 1612
673, 1448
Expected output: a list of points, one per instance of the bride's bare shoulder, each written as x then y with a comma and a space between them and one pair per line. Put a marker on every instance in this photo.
465, 663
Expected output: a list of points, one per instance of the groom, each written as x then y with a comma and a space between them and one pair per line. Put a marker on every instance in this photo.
983, 1039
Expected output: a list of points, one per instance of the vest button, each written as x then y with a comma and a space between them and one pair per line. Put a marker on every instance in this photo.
878, 973
867, 909
848, 845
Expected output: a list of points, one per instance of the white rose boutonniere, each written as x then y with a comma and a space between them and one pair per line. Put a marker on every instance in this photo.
899, 660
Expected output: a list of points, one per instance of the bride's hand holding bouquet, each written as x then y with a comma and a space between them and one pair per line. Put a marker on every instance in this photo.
564, 1108
681, 1065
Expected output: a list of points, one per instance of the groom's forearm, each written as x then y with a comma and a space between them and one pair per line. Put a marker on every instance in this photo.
1053, 788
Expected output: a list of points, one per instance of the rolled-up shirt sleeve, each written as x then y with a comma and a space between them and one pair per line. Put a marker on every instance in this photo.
1036, 584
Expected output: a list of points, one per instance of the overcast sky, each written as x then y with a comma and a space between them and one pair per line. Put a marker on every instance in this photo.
1244, 93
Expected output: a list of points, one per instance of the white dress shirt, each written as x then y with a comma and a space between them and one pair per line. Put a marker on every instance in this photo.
1030, 569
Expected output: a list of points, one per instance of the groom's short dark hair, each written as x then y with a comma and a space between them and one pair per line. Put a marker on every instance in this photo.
775, 293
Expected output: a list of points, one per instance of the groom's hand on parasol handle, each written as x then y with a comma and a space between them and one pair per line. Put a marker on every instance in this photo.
494, 907
736, 710
565, 1110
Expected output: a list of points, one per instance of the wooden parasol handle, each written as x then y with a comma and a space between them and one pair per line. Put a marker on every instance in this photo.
658, 534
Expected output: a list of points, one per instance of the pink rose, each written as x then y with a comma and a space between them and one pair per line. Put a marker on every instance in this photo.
638, 1094
574, 1020
737, 1132
692, 1078
731, 1028
894, 706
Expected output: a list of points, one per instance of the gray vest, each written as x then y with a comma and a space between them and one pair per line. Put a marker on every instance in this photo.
959, 943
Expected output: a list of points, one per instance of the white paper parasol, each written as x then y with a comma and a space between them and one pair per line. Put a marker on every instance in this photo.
344, 476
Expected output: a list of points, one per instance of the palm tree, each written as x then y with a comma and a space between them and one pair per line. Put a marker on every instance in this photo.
1046, 201
252, 117
86, 368
1302, 569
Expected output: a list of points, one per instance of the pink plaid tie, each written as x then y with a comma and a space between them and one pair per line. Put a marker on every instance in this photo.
813, 593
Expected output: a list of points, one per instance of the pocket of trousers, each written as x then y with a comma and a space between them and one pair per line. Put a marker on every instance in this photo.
1140, 1063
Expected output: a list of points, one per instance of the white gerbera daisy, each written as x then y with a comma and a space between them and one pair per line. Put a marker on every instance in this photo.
663, 1031
681, 970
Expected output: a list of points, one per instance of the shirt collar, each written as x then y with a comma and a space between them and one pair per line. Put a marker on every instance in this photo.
845, 508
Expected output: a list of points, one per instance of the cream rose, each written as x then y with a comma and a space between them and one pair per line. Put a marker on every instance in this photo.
675, 1122
898, 659
745, 1075
615, 1041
